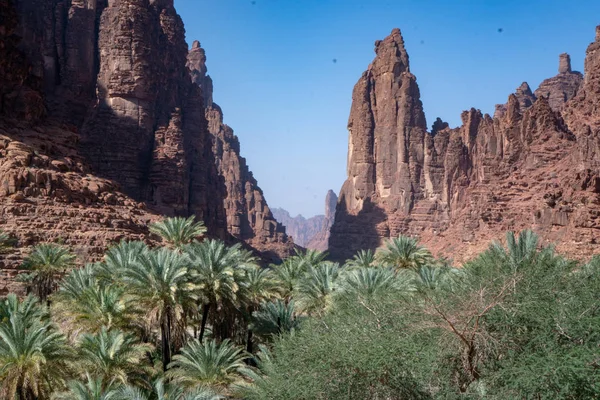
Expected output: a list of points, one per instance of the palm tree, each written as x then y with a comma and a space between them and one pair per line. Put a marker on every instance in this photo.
362, 259
92, 389
432, 277
209, 363
118, 258
34, 357
288, 274
310, 258
318, 285
48, 262
28, 308
201, 394
178, 231
404, 253
86, 303
257, 286
158, 281
112, 356
255, 379
273, 318
215, 274
520, 252
368, 282
160, 391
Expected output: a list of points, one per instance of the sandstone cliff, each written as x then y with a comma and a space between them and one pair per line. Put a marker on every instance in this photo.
102, 129
457, 189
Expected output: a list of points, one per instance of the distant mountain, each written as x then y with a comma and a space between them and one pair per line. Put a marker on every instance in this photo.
312, 233
298, 227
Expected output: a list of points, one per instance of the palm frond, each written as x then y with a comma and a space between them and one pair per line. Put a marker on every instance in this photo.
178, 231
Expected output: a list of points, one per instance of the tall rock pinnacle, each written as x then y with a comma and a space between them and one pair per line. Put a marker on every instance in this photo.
385, 154
564, 64
386, 146
581, 113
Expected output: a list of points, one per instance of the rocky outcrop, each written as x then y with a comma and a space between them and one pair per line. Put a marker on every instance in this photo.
563, 87
248, 216
524, 96
48, 193
457, 189
102, 130
321, 240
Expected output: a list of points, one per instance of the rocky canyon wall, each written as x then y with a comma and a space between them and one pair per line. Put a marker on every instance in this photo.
102, 131
533, 165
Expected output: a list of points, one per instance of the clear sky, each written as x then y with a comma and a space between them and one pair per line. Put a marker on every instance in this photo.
283, 70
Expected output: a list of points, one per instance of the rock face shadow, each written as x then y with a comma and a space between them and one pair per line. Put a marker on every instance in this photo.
351, 233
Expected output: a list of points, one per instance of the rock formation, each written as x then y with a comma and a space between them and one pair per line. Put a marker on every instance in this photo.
321, 240
457, 189
302, 230
563, 87
102, 130
311, 233
525, 97
248, 216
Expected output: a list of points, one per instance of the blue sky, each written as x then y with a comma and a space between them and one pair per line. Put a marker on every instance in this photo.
272, 63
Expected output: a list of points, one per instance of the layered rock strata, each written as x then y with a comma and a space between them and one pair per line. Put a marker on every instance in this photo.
530, 166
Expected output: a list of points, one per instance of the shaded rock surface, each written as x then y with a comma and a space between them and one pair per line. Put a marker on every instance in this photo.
102, 130
531, 166
524, 96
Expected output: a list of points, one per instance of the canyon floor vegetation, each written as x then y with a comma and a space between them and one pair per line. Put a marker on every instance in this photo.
196, 319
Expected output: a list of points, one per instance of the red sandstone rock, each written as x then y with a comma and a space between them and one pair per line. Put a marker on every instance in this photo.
523, 95
102, 130
461, 188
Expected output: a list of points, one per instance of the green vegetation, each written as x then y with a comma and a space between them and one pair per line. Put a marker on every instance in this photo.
200, 320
